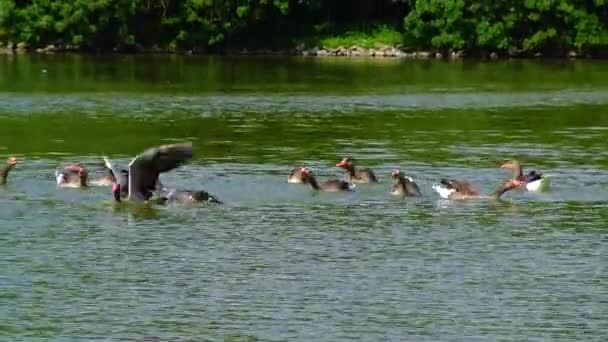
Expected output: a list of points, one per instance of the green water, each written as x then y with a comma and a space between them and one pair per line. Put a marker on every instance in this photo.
277, 262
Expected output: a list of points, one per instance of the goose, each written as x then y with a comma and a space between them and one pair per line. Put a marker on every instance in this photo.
454, 189
142, 178
4, 170
72, 176
295, 176
404, 186
355, 175
329, 186
533, 181
144, 170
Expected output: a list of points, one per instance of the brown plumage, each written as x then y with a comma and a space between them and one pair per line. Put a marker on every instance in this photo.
295, 176
404, 186
463, 190
355, 175
517, 171
72, 176
461, 187
329, 186
4, 171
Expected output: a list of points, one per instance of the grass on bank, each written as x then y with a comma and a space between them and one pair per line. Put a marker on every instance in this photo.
371, 36
381, 35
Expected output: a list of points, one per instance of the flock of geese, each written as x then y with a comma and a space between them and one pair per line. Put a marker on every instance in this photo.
140, 182
406, 187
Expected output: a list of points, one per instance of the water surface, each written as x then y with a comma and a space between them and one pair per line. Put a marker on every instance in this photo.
278, 262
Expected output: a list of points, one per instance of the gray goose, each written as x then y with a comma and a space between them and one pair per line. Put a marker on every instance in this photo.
142, 177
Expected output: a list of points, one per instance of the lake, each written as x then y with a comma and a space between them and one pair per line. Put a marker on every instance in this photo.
278, 262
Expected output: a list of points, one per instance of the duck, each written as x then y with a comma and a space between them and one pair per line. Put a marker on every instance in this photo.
295, 176
72, 176
8, 166
328, 186
533, 181
404, 186
355, 175
459, 190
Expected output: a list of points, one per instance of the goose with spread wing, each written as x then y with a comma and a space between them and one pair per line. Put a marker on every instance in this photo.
144, 170
142, 178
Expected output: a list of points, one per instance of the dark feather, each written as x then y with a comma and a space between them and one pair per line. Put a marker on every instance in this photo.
147, 166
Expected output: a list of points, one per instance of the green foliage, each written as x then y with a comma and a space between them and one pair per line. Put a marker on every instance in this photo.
512, 27
508, 27
102, 24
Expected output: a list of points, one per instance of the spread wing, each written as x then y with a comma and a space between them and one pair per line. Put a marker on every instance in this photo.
145, 168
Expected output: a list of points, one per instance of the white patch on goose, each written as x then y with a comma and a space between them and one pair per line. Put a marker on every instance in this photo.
294, 179
60, 177
538, 185
443, 191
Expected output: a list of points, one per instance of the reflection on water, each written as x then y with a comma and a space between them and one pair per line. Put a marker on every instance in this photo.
278, 262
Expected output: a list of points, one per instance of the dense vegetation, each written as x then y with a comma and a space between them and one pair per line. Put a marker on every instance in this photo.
508, 27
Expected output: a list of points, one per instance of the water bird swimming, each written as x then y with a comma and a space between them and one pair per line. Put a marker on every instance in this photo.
295, 176
145, 169
77, 176
355, 175
8, 166
329, 186
404, 186
454, 189
142, 178
533, 181
72, 176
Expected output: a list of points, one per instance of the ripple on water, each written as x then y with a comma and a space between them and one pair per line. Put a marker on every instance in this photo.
218, 104
278, 262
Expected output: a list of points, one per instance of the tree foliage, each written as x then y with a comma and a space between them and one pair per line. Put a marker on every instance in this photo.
508, 27
513, 27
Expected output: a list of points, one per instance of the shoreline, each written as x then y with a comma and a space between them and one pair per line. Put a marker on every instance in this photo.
385, 51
